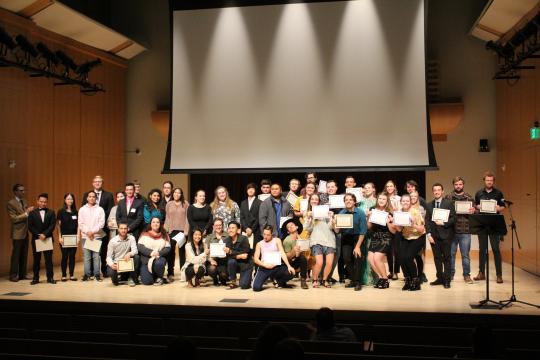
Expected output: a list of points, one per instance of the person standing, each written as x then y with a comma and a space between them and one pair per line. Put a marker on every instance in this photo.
18, 211
167, 191
224, 207
41, 224
68, 224
249, 214
393, 255
131, 211
462, 235
489, 192
440, 234
112, 224
273, 209
199, 214
154, 207
91, 223
176, 222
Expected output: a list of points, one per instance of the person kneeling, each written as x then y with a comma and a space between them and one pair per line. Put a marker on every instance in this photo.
196, 258
153, 248
122, 248
291, 246
272, 261
238, 257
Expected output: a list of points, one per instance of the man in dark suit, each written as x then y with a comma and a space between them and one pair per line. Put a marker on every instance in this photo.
41, 223
18, 211
249, 214
106, 201
440, 233
130, 210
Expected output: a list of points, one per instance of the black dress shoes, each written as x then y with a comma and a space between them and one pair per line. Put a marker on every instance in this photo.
436, 282
51, 281
34, 282
446, 284
13, 279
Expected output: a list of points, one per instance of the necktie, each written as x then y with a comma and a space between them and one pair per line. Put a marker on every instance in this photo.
22, 204
98, 195
437, 204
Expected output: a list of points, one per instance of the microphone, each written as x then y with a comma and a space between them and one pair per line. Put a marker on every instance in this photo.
508, 202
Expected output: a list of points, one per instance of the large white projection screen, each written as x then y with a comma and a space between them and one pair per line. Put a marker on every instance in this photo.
303, 85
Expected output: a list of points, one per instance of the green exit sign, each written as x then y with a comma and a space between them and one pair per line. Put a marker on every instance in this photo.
535, 133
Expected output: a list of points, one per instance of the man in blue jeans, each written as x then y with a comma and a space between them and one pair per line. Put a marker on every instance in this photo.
238, 257
462, 236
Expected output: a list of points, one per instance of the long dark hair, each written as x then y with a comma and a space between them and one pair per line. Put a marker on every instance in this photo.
151, 204
182, 199
192, 242
74, 206
161, 230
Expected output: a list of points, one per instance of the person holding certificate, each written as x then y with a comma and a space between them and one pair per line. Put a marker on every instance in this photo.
225, 208
322, 241
440, 219
464, 203
412, 240
238, 257
489, 192
176, 222
272, 261
69, 226
153, 247
301, 204
249, 213
196, 257
354, 248
217, 267
41, 223
419, 258
380, 240
91, 223
122, 257
295, 248
112, 222
390, 190
332, 188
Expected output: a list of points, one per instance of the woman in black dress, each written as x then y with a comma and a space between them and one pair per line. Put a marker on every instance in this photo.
199, 214
68, 222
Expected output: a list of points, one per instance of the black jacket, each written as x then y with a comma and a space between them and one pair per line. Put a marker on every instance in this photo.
36, 226
249, 218
447, 230
135, 217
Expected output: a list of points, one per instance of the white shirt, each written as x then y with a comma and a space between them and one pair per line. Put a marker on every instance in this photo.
250, 201
42, 214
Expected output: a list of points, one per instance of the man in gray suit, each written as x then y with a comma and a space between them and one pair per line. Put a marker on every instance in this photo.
17, 209
273, 209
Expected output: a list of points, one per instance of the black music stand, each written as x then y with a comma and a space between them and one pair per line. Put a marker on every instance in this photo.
487, 224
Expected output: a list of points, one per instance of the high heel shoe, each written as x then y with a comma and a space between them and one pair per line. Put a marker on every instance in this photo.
407, 285
385, 284
378, 284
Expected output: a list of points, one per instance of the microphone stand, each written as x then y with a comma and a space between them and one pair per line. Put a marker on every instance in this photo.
513, 299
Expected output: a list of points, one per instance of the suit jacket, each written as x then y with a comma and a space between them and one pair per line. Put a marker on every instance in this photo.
135, 217
106, 201
249, 218
19, 219
437, 231
267, 214
36, 226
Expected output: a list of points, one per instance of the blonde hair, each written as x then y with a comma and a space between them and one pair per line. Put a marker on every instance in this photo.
388, 207
215, 203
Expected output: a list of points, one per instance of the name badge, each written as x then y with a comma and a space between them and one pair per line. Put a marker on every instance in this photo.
74, 217
133, 211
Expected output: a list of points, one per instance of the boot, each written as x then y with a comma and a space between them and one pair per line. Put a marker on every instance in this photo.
303, 284
415, 284
407, 285
480, 276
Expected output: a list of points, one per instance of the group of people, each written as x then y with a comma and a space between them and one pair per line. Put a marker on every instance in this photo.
268, 239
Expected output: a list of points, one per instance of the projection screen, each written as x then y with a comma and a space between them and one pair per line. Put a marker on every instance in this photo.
325, 85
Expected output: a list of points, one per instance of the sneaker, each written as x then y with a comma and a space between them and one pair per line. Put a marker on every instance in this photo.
170, 278
98, 278
158, 282
85, 278
91, 278
131, 283
468, 280
303, 284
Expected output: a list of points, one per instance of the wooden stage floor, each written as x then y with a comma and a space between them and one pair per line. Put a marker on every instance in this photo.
431, 299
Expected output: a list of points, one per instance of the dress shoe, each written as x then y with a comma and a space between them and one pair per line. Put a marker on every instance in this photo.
385, 284
468, 280
170, 278
73, 278
408, 283
85, 278
446, 285
423, 278
480, 276
13, 279
303, 284
436, 282
25, 277
63, 279
395, 276
378, 284
341, 280
233, 285
415, 284
350, 285
499, 279
51, 281
34, 282
332, 280
358, 287
98, 278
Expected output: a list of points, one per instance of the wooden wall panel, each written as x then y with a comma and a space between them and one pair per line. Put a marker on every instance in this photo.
58, 136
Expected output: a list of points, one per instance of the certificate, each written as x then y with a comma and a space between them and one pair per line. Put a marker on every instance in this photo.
336, 201
322, 186
440, 214
344, 221
303, 205
303, 244
291, 198
358, 192
70, 241
216, 250
92, 245
125, 266
488, 206
320, 211
263, 197
44, 245
180, 239
272, 257
378, 217
282, 220
402, 218
462, 207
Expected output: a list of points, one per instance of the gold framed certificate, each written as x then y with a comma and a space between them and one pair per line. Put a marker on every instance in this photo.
462, 207
291, 198
402, 218
440, 214
303, 244
125, 266
344, 221
336, 201
263, 197
92, 245
488, 206
44, 245
70, 241
378, 217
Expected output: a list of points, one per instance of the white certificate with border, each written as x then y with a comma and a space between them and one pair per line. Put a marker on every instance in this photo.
440, 214
303, 205
322, 186
402, 218
216, 250
291, 198
70, 241
488, 206
272, 257
92, 245
358, 192
336, 201
303, 244
378, 217
125, 266
263, 197
180, 239
44, 245
344, 221
462, 207
321, 211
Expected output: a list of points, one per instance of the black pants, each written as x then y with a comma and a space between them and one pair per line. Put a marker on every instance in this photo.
37, 262
443, 257
408, 251
19, 258
354, 266
300, 262
68, 255
103, 253
218, 273
117, 277
191, 273
393, 254
171, 257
